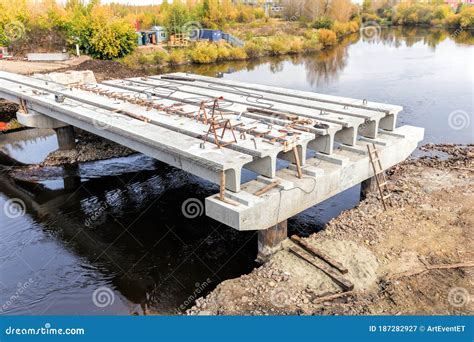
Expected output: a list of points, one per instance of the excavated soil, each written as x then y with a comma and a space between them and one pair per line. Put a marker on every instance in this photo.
395, 258
7, 110
107, 70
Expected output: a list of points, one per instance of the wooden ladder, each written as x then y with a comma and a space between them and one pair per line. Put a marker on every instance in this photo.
385, 194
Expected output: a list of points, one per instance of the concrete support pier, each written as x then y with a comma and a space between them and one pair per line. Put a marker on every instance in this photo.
367, 186
269, 240
66, 138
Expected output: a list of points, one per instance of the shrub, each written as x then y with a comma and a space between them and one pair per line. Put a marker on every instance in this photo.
466, 17
144, 59
223, 51
326, 37
278, 46
312, 44
323, 23
255, 48
160, 57
204, 52
339, 28
177, 57
354, 26
109, 40
237, 53
296, 45
370, 17
342, 29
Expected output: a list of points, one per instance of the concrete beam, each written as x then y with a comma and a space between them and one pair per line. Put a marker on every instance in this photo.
338, 100
167, 146
325, 177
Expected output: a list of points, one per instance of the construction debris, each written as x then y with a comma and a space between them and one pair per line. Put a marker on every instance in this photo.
319, 253
344, 283
267, 188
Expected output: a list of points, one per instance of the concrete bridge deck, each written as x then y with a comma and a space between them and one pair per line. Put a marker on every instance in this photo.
168, 117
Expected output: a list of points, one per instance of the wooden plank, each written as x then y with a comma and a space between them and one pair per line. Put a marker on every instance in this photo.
222, 188
344, 283
297, 162
319, 253
328, 298
267, 188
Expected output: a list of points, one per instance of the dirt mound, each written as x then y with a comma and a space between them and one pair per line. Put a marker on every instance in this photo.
88, 148
402, 261
7, 110
106, 70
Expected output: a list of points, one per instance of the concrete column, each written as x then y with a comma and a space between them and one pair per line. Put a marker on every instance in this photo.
269, 240
66, 138
367, 186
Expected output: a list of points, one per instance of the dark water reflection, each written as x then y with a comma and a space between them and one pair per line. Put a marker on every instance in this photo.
118, 224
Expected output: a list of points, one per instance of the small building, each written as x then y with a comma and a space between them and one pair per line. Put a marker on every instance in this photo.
210, 35
156, 35
161, 33
3, 52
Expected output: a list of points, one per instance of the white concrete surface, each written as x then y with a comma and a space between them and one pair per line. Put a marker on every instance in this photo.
160, 118
323, 179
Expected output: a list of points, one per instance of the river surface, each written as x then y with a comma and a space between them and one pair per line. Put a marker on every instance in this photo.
110, 237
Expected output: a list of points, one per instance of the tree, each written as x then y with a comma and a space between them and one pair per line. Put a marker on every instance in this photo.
211, 15
176, 19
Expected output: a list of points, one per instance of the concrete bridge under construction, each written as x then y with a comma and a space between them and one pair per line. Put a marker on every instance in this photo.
304, 147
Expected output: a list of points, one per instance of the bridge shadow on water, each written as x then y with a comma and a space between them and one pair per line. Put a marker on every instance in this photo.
127, 223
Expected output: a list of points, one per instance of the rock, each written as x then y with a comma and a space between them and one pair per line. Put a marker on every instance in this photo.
204, 313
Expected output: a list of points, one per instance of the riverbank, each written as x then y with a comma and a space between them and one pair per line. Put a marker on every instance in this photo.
89, 147
272, 38
395, 258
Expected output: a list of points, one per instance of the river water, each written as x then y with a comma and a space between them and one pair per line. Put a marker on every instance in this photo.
109, 237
